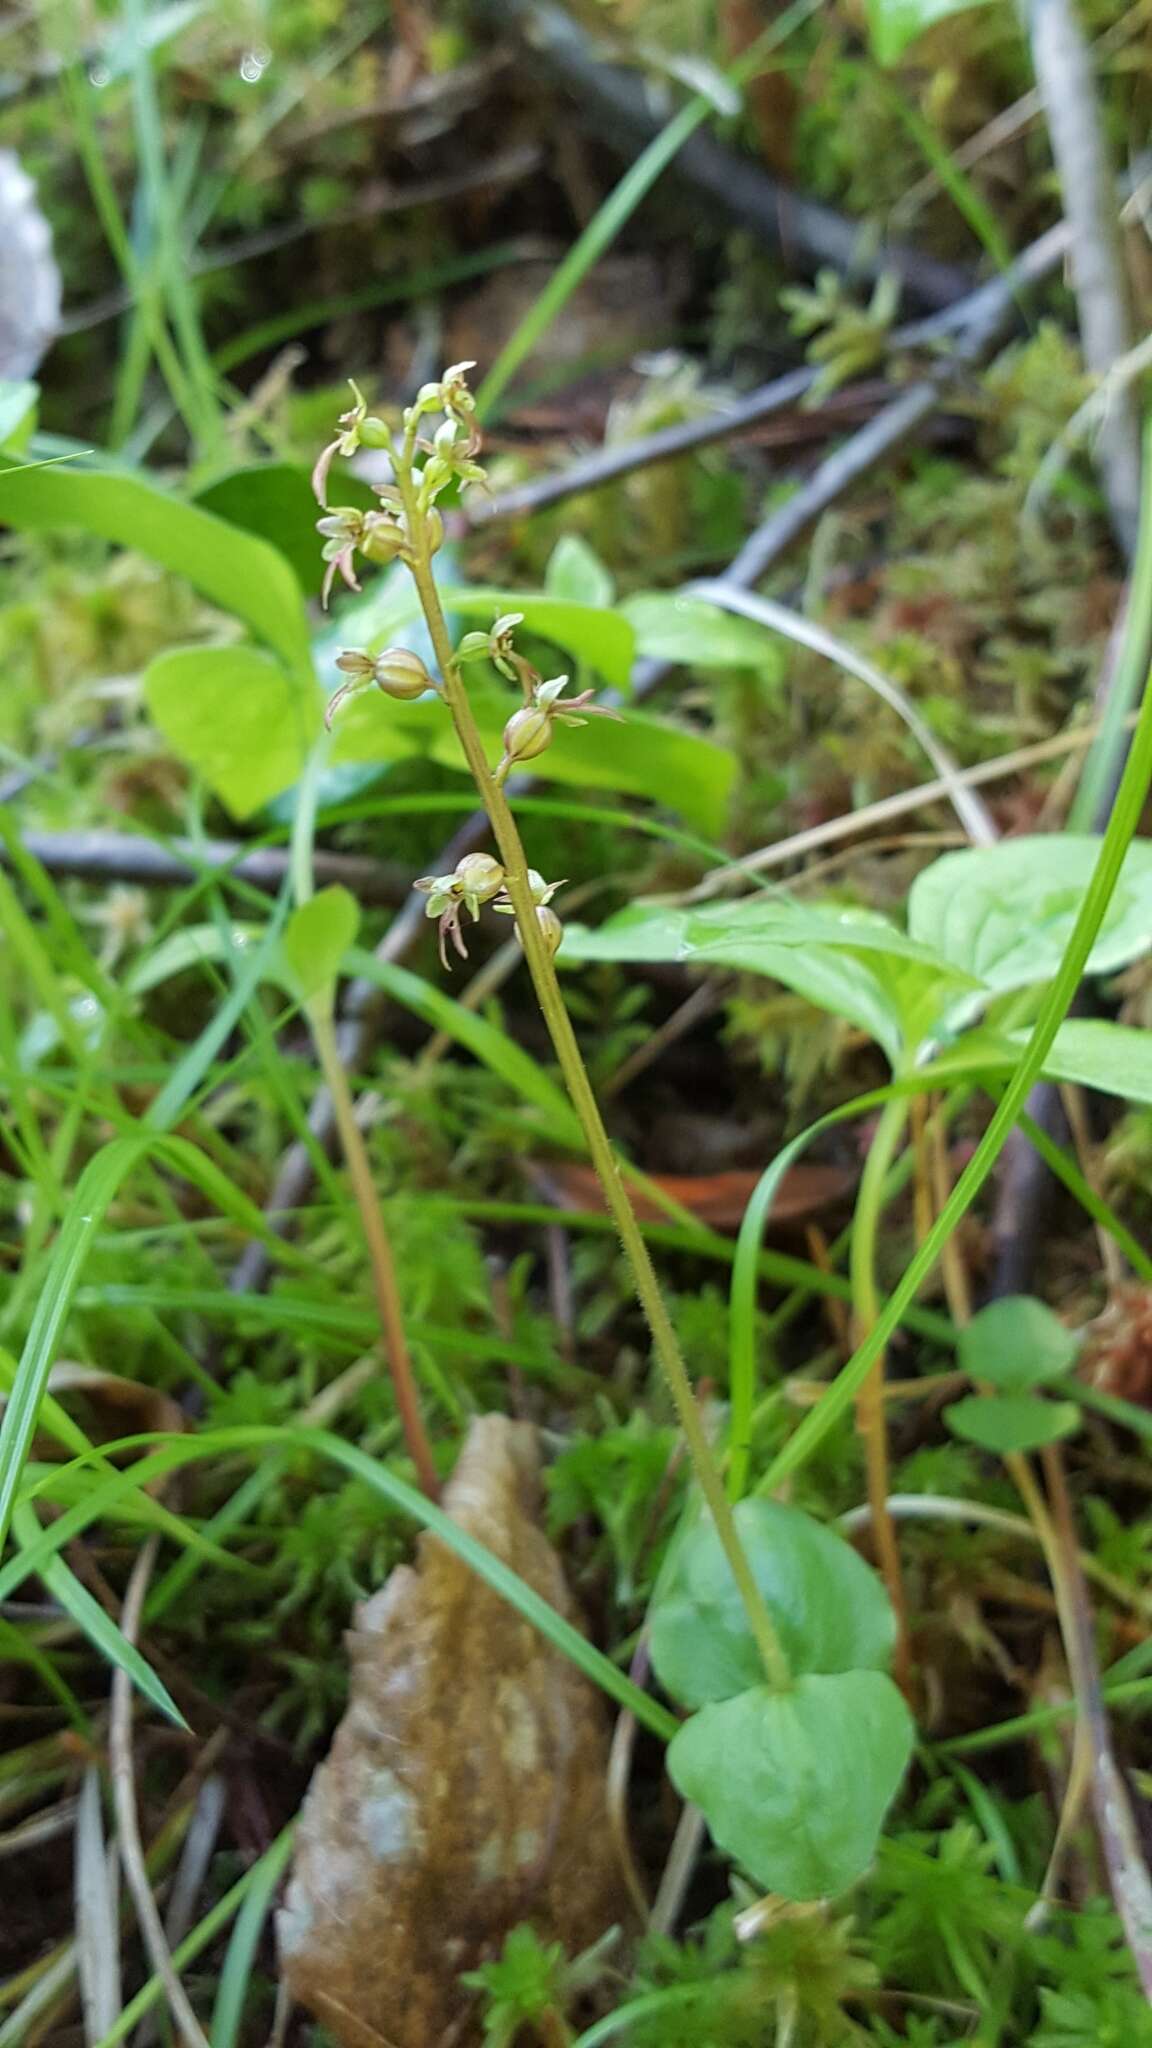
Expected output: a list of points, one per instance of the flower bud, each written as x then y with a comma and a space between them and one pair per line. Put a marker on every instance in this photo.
478, 878
401, 674
550, 927
434, 528
527, 733
382, 538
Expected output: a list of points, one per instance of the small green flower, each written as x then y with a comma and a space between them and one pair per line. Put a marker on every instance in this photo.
357, 429
342, 532
529, 730
475, 880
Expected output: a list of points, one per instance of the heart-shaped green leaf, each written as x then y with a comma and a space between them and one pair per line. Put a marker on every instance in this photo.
795, 1785
1008, 1423
1005, 913
830, 1610
1016, 1343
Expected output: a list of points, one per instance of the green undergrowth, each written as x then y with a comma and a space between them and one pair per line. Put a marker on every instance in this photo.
165, 669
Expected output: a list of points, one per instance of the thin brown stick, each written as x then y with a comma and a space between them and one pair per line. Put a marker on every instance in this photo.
886, 808
121, 1761
1064, 77
1119, 1838
380, 1259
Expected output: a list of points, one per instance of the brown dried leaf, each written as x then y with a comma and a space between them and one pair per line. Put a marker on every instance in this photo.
464, 1792
719, 1199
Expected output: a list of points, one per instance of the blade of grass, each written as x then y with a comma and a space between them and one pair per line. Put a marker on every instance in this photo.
180, 1451
497, 1051
98, 1626
194, 1945
166, 231
1103, 759
235, 1976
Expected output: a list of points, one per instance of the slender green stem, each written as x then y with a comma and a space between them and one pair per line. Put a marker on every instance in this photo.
580, 1089
380, 1258
870, 1417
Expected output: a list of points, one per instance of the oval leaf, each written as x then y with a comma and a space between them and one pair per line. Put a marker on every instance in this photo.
1007, 1423
1005, 913
1016, 1343
575, 571
852, 964
831, 1611
237, 717
316, 938
692, 632
795, 1785
232, 569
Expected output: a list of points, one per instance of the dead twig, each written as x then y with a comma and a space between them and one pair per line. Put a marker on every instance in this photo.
100, 856
1124, 1859
1064, 78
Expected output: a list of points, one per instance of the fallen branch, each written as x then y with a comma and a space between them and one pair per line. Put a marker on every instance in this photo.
1064, 77
128, 857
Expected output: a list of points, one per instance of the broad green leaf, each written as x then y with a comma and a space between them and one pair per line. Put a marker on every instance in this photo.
689, 630
237, 717
1016, 1343
894, 24
575, 571
275, 500
643, 756
316, 938
855, 965
1095, 1053
232, 569
18, 399
830, 1610
1092, 1052
1005, 913
1009, 1423
795, 1785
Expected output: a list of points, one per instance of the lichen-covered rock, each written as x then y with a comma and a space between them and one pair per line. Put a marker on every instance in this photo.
464, 1792
29, 278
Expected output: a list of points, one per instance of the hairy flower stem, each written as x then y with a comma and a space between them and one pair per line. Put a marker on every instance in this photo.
870, 1418
579, 1087
381, 1262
